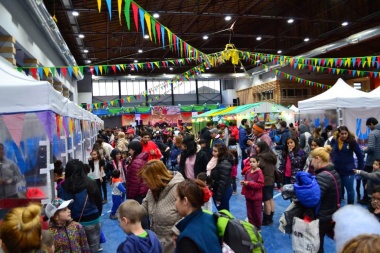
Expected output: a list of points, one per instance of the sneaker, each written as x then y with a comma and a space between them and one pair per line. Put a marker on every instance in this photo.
113, 217
104, 201
100, 249
234, 192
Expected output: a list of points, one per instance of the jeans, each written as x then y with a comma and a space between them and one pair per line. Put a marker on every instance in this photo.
225, 201
116, 201
348, 183
93, 236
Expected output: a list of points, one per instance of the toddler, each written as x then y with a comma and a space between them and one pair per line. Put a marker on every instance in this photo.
207, 180
373, 178
117, 193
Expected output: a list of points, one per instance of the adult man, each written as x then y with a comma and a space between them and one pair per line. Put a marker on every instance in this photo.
106, 147
205, 135
305, 138
372, 150
215, 138
130, 135
285, 134
10, 175
224, 130
243, 140
259, 134
150, 147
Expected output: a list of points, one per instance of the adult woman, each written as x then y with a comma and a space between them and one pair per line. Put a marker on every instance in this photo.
87, 205
193, 159
221, 177
344, 146
136, 189
293, 160
159, 202
268, 161
329, 183
97, 173
122, 143
21, 229
197, 228
117, 163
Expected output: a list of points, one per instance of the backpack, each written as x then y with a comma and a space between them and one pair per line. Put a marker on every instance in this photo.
307, 190
241, 236
307, 148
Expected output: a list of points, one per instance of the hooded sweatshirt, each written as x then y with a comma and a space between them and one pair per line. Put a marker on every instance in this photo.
136, 244
373, 151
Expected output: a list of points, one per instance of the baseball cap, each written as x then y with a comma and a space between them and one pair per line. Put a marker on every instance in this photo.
214, 131
55, 205
130, 131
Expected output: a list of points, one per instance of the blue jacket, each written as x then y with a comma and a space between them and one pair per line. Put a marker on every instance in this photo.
242, 138
284, 136
199, 227
136, 244
343, 160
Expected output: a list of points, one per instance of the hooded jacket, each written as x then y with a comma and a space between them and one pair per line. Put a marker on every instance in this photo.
221, 177
285, 134
163, 213
134, 244
135, 185
373, 179
373, 151
305, 136
268, 162
150, 145
69, 237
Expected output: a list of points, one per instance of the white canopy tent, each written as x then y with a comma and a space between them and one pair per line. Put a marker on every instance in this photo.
294, 109
375, 92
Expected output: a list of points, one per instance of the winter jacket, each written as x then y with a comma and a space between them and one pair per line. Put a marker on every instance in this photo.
373, 179
373, 151
254, 188
69, 237
137, 244
297, 160
201, 161
305, 137
118, 187
200, 228
151, 146
221, 177
205, 135
163, 213
11, 172
122, 144
135, 185
268, 161
285, 134
343, 160
217, 139
242, 138
235, 133
257, 138
329, 199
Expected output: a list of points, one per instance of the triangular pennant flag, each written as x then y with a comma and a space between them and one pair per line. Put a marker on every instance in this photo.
113, 68
52, 70
47, 118
40, 72
109, 5
76, 70
142, 23
64, 71
135, 9
153, 21
127, 7
26, 70
148, 24
99, 5
70, 69
96, 70
101, 70
14, 123
119, 4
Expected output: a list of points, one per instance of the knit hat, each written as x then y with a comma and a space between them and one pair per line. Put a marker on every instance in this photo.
214, 131
56, 205
259, 126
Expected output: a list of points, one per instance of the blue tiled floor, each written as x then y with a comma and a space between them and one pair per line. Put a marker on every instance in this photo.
274, 240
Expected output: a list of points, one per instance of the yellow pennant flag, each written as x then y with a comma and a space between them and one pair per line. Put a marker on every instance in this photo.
318, 68
99, 5
119, 3
358, 72
140, 65
122, 66
46, 71
148, 24
71, 126
112, 102
76, 70
156, 63
338, 71
101, 69
369, 60
129, 99
348, 62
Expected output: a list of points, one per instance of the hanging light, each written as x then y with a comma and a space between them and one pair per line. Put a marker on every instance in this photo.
156, 15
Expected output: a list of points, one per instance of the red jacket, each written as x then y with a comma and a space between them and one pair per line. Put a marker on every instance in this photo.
246, 167
235, 133
151, 146
135, 185
253, 190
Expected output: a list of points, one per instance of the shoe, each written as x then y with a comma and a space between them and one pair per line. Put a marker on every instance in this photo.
113, 217
100, 249
104, 201
234, 192
266, 220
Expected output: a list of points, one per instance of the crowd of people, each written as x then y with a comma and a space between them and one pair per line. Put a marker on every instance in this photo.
161, 180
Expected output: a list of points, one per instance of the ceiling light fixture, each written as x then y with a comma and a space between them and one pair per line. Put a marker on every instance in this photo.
258, 38
344, 23
227, 18
205, 37
156, 15
140, 51
75, 13
306, 39
81, 36
85, 51
88, 61
279, 51
135, 61
290, 20
171, 68
146, 36
354, 41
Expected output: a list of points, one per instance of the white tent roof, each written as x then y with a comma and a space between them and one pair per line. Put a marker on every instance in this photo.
294, 109
20, 93
341, 95
375, 92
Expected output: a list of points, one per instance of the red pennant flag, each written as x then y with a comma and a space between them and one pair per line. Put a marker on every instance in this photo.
175, 42
34, 72
349, 71
149, 65
323, 62
122, 100
310, 67
158, 30
64, 71
135, 9
329, 70
105, 104
113, 68
371, 74
164, 63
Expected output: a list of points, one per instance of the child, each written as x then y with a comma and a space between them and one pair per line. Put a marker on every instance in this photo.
234, 170
58, 173
375, 202
69, 236
373, 177
117, 193
47, 242
130, 213
207, 180
315, 143
252, 190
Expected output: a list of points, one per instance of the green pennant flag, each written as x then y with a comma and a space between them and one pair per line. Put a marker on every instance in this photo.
52, 70
80, 69
127, 8
19, 69
153, 21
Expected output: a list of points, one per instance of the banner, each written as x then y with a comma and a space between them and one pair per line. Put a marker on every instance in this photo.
165, 110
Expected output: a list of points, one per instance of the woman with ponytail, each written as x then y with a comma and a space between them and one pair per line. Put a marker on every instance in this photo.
197, 230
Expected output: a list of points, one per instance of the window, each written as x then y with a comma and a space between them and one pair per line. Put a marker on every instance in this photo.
298, 93
184, 87
305, 92
283, 92
358, 86
105, 87
290, 92
132, 87
208, 86
155, 87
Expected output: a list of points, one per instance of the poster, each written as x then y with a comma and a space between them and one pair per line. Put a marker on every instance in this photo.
165, 110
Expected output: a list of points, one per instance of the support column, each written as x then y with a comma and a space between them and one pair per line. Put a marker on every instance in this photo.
8, 49
31, 62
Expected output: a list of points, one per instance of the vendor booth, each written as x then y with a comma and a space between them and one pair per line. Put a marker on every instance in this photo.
37, 127
341, 105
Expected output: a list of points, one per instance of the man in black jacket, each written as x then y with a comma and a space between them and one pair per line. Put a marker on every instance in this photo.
206, 135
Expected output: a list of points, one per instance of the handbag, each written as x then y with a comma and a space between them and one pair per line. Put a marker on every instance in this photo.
331, 233
305, 236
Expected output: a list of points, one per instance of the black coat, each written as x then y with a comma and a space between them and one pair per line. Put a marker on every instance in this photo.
221, 177
201, 161
329, 192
